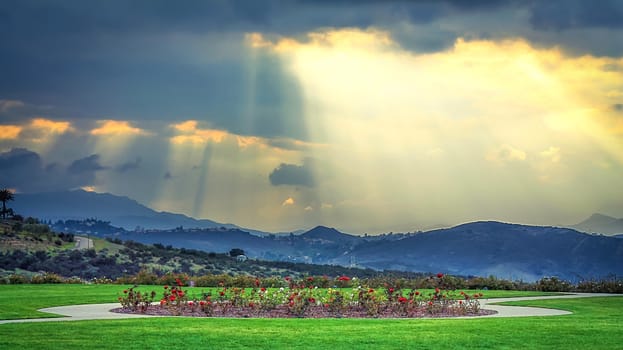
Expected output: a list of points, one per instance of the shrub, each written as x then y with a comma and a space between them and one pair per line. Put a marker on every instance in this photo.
47, 278
17, 279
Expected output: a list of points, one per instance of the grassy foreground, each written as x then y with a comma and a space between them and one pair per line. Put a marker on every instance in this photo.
23, 300
595, 324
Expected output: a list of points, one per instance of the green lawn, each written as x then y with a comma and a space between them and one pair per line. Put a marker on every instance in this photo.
595, 324
23, 301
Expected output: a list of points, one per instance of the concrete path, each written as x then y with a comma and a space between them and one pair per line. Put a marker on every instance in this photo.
524, 311
102, 311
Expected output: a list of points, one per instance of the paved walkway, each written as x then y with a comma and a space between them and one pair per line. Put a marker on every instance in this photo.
102, 311
524, 311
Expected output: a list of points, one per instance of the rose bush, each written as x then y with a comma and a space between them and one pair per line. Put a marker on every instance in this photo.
302, 298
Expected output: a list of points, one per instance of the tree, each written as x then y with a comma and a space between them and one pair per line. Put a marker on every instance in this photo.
235, 252
5, 196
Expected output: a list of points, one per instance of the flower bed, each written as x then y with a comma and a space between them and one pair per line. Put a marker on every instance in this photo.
304, 300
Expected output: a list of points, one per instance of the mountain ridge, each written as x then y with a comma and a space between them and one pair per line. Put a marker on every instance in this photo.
602, 224
477, 248
120, 211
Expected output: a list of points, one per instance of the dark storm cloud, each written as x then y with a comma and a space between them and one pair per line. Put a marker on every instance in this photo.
26, 171
122, 168
85, 165
573, 14
292, 174
155, 59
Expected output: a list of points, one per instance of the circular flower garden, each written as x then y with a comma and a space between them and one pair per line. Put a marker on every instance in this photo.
302, 298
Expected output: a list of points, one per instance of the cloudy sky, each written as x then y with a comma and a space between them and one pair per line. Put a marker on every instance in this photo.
367, 116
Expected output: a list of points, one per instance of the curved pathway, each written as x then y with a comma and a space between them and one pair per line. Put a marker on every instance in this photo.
526, 311
102, 311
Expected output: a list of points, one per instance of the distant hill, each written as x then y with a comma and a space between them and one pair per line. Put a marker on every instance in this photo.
120, 211
599, 223
504, 250
327, 234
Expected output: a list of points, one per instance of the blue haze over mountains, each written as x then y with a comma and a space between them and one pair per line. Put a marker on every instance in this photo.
481, 248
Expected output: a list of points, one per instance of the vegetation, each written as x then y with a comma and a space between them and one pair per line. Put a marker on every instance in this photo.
31, 253
594, 324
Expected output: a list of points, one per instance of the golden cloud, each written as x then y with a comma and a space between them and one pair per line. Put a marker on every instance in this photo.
288, 201
116, 128
10, 132
51, 126
190, 133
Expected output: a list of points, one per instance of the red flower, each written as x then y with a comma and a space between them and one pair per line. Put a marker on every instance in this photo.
326, 305
440, 275
125, 291
251, 304
430, 303
310, 279
344, 278
257, 282
460, 302
120, 298
370, 290
436, 290
172, 298
190, 303
221, 293
311, 300
291, 303
391, 290
180, 294
263, 289
462, 293
417, 293
402, 300
179, 282
166, 287
202, 303
162, 302
287, 278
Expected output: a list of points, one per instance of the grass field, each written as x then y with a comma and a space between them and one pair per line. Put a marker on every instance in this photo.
23, 301
595, 324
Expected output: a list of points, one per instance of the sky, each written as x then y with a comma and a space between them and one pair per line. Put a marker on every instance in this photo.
367, 116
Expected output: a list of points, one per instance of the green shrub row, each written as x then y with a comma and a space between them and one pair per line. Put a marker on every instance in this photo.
144, 277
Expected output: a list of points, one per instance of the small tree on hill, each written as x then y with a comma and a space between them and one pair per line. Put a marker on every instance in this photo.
235, 252
5, 196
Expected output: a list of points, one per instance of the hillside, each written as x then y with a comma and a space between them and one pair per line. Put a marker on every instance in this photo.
33, 248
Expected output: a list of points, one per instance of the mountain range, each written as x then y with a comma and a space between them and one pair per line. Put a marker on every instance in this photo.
482, 248
118, 210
